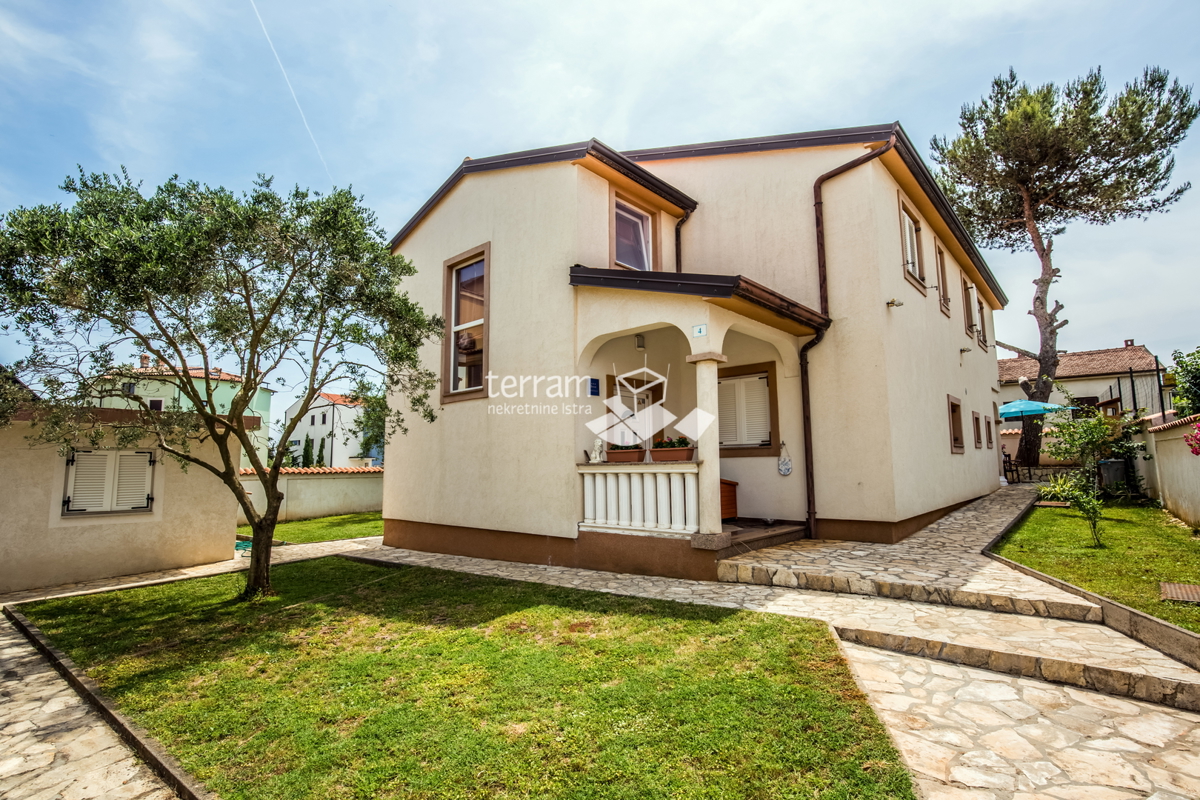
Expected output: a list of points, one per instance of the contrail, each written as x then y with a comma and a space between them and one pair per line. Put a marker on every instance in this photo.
293, 91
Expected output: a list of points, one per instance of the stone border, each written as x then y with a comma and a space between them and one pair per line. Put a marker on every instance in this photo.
141, 742
1136, 686
1171, 640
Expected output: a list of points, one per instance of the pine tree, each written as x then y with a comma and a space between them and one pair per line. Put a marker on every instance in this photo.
321, 453
306, 460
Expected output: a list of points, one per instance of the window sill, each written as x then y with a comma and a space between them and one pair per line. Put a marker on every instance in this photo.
750, 452
124, 513
945, 305
917, 282
958, 449
456, 397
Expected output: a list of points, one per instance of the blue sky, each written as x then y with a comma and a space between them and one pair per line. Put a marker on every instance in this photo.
396, 94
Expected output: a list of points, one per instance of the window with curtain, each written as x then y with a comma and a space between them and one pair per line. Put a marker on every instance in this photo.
744, 411
109, 480
467, 327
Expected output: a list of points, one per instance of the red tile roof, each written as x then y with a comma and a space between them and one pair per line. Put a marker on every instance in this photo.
319, 470
1179, 423
1113, 361
339, 399
195, 372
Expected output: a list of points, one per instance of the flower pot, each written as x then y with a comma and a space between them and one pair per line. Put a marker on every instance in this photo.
625, 456
672, 453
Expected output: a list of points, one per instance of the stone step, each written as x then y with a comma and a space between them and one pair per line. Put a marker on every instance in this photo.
1047, 602
748, 539
1180, 691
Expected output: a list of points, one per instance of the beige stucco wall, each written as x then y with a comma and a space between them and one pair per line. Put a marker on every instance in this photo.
879, 380
192, 522
311, 496
1177, 473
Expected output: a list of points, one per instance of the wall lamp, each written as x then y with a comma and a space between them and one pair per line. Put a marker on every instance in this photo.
894, 303
962, 350
639, 342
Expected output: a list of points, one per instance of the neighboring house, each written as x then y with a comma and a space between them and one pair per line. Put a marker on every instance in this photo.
99, 512
158, 387
1117, 379
846, 364
331, 419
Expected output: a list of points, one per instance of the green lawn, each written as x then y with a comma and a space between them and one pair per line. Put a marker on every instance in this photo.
1142, 546
365, 681
325, 529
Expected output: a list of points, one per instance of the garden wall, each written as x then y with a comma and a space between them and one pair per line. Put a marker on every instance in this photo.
320, 491
1177, 471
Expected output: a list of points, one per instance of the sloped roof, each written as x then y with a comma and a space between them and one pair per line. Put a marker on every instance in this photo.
1179, 423
1086, 363
339, 399
196, 372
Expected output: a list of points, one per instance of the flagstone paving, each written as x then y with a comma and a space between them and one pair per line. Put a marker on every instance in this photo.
941, 563
976, 735
52, 744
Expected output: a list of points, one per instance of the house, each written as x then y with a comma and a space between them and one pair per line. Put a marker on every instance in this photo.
159, 389
1116, 379
102, 511
806, 309
329, 423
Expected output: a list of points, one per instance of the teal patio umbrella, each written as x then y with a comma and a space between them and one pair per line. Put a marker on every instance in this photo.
1029, 408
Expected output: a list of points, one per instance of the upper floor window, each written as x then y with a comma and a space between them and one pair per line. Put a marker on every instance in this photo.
943, 284
968, 293
910, 246
633, 237
155, 405
980, 325
322, 417
128, 388
466, 312
108, 481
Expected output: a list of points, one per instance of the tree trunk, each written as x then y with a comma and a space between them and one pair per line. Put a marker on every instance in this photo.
258, 577
1039, 387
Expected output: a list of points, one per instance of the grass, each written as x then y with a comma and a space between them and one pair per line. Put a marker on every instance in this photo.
364, 681
1142, 546
326, 529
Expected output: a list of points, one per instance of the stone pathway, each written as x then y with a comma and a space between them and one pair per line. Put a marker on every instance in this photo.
974, 735
279, 555
52, 744
941, 563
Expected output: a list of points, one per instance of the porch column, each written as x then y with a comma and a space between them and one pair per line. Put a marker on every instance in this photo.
708, 453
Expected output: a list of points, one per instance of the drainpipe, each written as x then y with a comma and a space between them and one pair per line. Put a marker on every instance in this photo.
805, 403
679, 240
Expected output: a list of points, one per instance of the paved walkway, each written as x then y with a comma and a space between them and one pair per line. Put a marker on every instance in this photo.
941, 563
52, 744
279, 555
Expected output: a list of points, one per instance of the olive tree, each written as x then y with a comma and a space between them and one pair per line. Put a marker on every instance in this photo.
264, 282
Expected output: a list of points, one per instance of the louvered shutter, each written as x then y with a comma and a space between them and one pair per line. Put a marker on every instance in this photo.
972, 307
89, 484
909, 244
727, 411
756, 411
133, 481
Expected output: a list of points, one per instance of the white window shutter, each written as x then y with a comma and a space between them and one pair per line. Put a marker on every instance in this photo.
90, 482
973, 306
727, 416
756, 411
133, 481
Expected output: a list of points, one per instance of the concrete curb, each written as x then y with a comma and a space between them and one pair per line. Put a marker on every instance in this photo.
1115, 682
1170, 640
150, 751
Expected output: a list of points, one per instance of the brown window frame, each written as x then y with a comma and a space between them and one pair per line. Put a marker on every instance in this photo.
967, 314
977, 429
918, 280
614, 197
943, 279
484, 252
958, 444
987, 427
773, 449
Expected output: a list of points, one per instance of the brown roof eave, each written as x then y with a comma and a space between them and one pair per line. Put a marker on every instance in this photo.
549, 155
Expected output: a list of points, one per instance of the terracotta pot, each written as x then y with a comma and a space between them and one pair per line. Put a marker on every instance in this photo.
672, 453
625, 456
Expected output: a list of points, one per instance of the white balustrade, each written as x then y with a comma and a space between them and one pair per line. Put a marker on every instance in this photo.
655, 499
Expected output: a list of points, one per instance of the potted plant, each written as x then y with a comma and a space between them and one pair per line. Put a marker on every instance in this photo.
681, 449
625, 453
